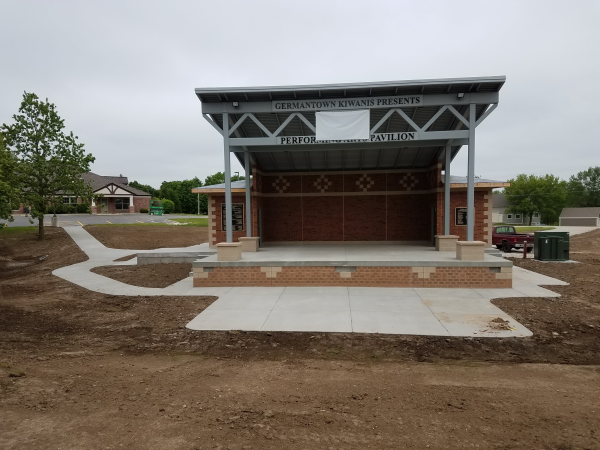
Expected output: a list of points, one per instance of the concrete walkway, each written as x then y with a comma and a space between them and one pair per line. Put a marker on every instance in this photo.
103, 256
440, 312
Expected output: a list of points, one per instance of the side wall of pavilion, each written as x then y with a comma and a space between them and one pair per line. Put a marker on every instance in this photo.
354, 206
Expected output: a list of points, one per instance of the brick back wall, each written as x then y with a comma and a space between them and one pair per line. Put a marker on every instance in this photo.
364, 218
297, 207
322, 218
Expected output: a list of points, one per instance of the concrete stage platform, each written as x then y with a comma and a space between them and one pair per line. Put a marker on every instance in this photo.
364, 265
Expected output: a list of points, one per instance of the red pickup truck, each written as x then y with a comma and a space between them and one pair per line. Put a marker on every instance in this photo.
506, 238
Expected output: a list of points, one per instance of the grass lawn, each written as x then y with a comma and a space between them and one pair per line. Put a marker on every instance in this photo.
127, 224
7, 229
192, 222
531, 229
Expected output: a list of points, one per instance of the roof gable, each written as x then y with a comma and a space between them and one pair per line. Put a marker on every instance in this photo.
99, 182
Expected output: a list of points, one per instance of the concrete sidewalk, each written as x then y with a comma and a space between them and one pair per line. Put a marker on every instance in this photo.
419, 311
103, 256
440, 312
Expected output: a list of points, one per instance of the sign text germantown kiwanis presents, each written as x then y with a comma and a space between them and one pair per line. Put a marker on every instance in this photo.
379, 137
347, 103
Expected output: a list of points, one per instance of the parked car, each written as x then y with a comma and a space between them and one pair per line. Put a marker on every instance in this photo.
506, 238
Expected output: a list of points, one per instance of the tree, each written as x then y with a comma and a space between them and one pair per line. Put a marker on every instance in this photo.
168, 190
529, 194
583, 189
145, 187
50, 162
9, 192
219, 178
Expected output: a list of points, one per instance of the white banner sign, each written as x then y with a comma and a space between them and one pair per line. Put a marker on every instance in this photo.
347, 103
378, 137
342, 125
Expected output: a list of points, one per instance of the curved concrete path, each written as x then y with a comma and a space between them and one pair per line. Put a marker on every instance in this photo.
441, 312
99, 255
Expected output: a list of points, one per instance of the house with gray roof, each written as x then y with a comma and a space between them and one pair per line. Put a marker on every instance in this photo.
580, 217
116, 195
501, 215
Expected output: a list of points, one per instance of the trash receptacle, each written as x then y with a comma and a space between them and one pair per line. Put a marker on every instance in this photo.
541, 234
550, 248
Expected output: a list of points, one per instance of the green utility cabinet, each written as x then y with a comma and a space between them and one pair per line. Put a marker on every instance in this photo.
551, 245
542, 234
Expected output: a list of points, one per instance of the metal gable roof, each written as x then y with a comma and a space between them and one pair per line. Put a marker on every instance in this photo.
415, 155
351, 90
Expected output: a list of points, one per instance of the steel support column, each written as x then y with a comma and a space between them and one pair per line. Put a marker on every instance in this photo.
447, 191
471, 176
248, 201
228, 218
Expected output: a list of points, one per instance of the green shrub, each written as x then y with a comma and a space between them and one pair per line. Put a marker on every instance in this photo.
168, 205
82, 208
143, 210
60, 209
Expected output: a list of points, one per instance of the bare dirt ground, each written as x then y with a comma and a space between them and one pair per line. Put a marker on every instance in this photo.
148, 237
80, 369
151, 275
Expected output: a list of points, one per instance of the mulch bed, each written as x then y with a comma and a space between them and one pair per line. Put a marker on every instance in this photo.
150, 275
145, 237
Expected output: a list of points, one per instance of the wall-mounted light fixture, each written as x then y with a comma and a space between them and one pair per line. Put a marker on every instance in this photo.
235, 104
460, 94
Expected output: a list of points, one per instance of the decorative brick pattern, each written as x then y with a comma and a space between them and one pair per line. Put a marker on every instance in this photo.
408, 181
365, 182
271, 272
423, 272
504, 274
322, 183
443, 277
487, 217
326, 183
281, 184
212, 222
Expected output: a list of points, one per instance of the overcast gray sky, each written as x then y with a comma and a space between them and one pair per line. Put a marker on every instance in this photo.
123, 73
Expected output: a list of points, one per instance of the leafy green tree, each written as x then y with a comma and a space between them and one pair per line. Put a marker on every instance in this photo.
583, 189
168, 190
529, 194
219, 178
189, 200
9, 192
145, 187
50, 162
